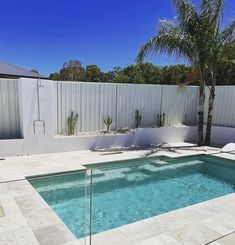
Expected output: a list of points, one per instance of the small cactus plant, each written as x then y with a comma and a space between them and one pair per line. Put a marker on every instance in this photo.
160, 120
138, 118
108, 121
72, 120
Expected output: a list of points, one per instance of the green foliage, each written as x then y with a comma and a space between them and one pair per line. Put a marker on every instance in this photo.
108, 121
108, 77
143, 73
227, 52
226, 73
226, 65
93, 74
148, 73
55, 76
72, 71
72, 120
160, 120
176, 74
138, 118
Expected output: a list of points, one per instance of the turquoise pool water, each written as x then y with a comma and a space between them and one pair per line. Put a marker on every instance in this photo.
128, 191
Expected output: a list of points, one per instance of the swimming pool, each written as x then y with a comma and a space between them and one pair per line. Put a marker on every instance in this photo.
127, 191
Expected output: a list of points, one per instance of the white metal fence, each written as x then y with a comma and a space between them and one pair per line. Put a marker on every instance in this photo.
9, 109
95, 101
224, 106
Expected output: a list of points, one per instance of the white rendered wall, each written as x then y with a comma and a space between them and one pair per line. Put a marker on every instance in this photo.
142, 137
33, 141
222, 135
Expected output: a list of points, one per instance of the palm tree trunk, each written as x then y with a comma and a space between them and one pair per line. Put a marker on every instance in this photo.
210, 109
201, 112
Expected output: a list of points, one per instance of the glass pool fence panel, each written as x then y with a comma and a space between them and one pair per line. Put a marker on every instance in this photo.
66, 194
104, 201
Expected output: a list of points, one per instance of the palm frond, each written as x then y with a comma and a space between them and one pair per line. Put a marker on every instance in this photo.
218, 7
196, 35
188, 18
170, 40
228, 34
147, 49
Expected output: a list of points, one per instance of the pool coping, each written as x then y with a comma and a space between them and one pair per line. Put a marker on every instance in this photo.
28, 204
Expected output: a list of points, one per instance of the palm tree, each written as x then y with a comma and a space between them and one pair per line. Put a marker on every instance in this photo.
219, 42
193, 37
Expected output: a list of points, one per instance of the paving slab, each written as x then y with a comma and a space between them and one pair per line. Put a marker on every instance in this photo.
53, 235
114, 237
194, 234
227, 240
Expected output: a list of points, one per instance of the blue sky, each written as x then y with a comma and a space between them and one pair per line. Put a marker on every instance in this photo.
42, 34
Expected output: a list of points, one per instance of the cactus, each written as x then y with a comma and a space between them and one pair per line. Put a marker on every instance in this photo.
160, 120
108, 121
138, 118
72, 120
185, 118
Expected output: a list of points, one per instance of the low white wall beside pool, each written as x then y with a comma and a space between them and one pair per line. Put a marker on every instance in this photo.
222, 135
153, 136
142, 137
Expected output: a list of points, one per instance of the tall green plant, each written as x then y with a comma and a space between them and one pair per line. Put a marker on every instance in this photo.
108, 121
196, 36
161, 120
138, 118
72, 120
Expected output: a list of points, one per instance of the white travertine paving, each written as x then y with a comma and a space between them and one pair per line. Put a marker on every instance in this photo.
26, 219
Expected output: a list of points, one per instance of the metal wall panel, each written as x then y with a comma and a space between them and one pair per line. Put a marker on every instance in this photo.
67, 98
9, 109
132, 97
107, 104
224, 106
95, 101
179, 105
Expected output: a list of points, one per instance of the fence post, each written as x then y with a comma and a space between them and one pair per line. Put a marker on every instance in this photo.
161, 100
116, 109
